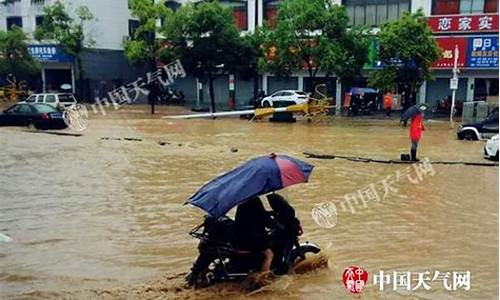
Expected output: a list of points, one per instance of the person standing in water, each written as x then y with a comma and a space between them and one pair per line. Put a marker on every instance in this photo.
388, 100
416, 128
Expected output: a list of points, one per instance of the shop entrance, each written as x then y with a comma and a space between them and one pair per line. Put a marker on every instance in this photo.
55, 78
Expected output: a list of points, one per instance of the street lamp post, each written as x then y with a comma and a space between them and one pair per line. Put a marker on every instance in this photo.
454, 84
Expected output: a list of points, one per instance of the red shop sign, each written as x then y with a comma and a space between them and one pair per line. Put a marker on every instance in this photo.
464, 23
447, 46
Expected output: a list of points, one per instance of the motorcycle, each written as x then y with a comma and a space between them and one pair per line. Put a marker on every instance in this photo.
219, 260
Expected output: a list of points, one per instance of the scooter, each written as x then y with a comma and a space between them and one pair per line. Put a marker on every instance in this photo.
219, 260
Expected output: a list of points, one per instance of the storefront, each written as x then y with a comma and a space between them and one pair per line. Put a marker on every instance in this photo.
476, 37
57, 67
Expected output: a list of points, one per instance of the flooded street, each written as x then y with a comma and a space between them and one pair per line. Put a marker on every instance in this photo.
98, 215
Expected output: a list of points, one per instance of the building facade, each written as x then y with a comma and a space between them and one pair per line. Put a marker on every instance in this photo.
104, 64
471, 25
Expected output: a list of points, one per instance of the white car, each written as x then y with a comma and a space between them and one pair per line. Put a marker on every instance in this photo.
491, 148
286, 97
53, 99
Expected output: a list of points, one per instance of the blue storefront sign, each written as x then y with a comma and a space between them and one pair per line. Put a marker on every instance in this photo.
482, 51
49, 53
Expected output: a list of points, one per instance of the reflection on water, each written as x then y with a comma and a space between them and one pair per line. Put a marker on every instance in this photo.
96, 217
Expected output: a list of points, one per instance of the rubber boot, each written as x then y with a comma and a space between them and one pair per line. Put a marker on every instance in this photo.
414, 155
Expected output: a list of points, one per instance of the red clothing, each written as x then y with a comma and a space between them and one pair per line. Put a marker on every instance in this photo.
388, 101
416, 127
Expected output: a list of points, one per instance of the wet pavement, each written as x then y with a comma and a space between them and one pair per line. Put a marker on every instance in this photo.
101, 216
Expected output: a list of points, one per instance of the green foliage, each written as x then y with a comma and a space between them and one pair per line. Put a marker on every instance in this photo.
407, 50
314, 34
144, 47
14, 56
205, 38
60, 27
208, 42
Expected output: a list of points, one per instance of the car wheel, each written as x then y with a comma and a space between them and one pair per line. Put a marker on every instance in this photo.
266, 104
32, 126
469, 135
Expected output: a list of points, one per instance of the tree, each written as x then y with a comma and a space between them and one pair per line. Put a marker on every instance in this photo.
144, 47
314, 35
59, 26
14, 56
208, 42
407, 50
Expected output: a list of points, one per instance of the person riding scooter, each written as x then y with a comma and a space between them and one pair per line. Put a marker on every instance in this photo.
251, 223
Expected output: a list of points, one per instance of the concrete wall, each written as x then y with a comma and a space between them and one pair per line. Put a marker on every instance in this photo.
108, 28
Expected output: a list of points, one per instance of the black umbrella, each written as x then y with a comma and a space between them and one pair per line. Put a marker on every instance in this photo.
413, 110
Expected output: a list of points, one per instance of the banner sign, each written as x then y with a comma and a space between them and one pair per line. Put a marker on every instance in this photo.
463, 23
447, 46
482, 52
49, 53
474, 52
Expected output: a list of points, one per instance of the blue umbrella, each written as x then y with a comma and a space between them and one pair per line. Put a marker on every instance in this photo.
257, 176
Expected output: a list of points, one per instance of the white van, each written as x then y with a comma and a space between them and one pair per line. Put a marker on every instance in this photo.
54, 99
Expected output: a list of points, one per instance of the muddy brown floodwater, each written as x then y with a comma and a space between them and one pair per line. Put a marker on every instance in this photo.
103, 218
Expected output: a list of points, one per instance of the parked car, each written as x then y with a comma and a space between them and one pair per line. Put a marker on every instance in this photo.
33, 115
491, 148
54, 99
289, 97
480, 130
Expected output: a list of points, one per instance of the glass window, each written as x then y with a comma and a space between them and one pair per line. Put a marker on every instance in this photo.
445, 7
381, 14
350, 14
132, 27
39, 98
24, 109
359, 15
45, 108
393, 12
375, 12
13, 108
50, 98
371, 15
64, 98
490, 6
38, 21
14, 21
31, 98
240, 16
403, 7
477, 6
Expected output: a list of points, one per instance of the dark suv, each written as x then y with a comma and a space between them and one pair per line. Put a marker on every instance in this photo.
484, 129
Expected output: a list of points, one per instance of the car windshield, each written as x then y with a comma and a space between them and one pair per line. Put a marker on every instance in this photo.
31, 98
301, 93
45, 108
66, 98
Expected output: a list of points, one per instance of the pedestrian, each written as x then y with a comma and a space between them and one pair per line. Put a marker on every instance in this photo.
388, 101
153, 95
416, 128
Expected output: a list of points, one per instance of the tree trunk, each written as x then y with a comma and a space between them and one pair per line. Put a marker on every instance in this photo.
255, 88
211, 91
152, 63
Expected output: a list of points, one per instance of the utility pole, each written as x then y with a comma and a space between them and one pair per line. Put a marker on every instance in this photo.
454, 84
